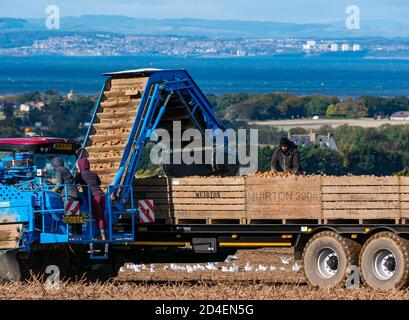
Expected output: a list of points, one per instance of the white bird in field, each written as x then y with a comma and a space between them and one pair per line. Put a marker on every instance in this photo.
198, 267
210, 266
261, 268
272, 268
230, 258
248, 267
296, 267
285, 260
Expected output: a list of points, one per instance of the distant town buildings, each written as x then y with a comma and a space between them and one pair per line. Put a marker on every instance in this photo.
356, 47
72, 95
27, 106
95, 44
345, 47
329, 46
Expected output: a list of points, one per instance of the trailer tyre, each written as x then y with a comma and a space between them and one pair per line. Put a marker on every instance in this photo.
326, 258
384, 261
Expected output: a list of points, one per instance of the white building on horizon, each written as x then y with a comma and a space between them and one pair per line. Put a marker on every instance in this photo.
356, 47
345, 47
334, 47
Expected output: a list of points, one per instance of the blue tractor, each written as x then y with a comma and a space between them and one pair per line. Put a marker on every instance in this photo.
35, 221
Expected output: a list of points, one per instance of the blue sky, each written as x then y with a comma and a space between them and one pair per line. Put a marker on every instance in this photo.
265, 10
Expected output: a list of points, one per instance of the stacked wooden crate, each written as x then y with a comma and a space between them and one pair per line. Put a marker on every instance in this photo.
362, 198
115, 117
283, 198
195, 199
404, 196
315, 199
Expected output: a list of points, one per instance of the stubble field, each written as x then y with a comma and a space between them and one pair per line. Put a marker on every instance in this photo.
256, 274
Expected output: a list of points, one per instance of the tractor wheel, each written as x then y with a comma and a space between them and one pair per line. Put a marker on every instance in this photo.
384, 261
326, 258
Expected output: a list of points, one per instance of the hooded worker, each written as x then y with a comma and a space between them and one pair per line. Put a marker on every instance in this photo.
287, 156
89, 178
63, 176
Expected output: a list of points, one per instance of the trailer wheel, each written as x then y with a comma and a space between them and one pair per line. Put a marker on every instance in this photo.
385, 261
326, 258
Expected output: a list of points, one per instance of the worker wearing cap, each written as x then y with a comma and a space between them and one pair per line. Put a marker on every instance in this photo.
287, 156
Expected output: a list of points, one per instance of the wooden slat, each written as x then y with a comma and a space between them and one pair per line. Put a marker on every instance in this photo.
284, 181
361, 197
360, 189
198, 208
359, 181
405, 213
194, 194
208, 188
285, 212
209, 214
206, 181
405, 205
361, 214
361, 205
204, 207
404, 181
283, 188
8, 235
194, 201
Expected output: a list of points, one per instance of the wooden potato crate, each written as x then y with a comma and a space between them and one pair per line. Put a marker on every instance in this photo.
314, 199
195, 200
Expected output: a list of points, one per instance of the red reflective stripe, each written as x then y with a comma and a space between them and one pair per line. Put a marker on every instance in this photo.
146, 213
76, 208
69, 203
143, 218
149, 203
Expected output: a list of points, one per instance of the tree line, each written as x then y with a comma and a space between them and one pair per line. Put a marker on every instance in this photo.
241, 106
361, 151
374, 151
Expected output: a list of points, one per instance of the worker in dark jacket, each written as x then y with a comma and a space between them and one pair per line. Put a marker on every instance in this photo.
88, 177
287, 156
69, 192
63, 176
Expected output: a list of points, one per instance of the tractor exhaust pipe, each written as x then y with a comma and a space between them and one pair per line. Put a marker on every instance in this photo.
9, 267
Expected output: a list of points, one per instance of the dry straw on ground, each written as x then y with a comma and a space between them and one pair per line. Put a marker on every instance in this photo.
225, 290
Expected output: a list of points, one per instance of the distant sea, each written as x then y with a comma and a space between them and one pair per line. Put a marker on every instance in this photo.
340, 76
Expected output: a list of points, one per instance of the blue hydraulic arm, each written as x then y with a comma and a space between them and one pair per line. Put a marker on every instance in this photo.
161, 84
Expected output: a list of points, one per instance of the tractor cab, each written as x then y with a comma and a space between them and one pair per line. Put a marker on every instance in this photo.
42, 149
